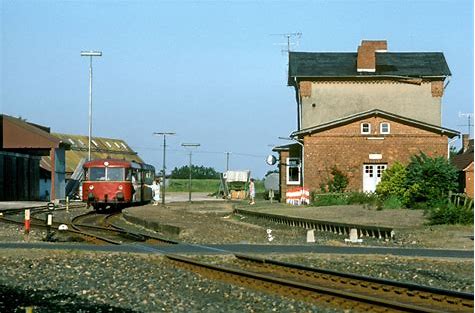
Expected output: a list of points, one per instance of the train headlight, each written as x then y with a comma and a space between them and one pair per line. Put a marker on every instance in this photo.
120, 187
120, 196
91, 187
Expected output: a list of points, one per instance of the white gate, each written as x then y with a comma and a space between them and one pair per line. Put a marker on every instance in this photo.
372, 176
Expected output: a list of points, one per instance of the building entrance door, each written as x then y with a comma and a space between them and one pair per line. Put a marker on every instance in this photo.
372, 176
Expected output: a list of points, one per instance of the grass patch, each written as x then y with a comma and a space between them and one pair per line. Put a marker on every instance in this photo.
392, 203
345, 198
197, 185
205, 185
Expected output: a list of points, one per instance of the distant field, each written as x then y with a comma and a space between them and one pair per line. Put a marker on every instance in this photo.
198, 185
202, 185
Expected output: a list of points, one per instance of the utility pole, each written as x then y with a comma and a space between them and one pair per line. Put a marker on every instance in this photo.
164, 134
227, 161
189, 181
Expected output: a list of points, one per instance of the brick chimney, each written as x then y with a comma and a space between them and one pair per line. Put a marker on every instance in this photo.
366, 61
465, 142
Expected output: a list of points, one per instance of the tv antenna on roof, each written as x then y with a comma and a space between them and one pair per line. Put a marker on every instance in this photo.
295, 36
469, 117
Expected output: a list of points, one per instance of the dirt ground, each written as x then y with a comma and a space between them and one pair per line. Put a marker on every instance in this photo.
215, 221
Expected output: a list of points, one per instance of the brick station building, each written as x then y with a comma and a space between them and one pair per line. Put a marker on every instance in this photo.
361, 112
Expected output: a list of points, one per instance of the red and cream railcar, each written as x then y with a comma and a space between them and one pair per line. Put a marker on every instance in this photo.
116, 183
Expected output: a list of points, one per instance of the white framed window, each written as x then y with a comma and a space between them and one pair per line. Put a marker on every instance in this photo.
293, 171
365, 128
384, 128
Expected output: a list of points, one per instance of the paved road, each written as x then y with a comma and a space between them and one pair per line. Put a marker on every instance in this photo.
20, 204
246, 249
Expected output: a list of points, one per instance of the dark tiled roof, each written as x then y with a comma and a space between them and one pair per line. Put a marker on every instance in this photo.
461, 161
343, 64
284, 147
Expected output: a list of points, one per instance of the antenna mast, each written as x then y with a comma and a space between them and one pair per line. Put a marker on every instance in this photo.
289, 43
469, 124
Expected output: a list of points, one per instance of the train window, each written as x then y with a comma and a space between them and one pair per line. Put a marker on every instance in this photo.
148, 177
97, 173
115, 173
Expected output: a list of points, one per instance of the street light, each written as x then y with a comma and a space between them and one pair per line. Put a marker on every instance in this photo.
90, 54
190, 145
164, 134
303, 155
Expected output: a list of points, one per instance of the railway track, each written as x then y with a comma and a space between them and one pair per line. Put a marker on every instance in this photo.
338, 290
102, 227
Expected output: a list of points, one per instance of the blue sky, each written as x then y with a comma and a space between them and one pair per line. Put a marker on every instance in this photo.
211, 71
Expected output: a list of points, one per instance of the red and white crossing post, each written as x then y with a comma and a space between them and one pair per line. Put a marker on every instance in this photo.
27, 221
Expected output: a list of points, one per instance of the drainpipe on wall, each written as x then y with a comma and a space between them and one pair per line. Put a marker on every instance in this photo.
299, 104
448, 81
299, 123
448, 147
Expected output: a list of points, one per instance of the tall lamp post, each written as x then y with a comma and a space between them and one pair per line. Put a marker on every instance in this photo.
164, 134
190, 145
90, 54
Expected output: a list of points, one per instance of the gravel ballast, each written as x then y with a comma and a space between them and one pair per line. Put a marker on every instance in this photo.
75, 281
110, 282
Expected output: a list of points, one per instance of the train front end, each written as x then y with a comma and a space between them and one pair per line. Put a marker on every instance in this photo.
107, 183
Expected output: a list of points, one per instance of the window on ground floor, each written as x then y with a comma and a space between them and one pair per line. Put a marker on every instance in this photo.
293, 171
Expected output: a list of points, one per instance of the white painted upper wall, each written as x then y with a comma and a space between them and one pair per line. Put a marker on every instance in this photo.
331, 101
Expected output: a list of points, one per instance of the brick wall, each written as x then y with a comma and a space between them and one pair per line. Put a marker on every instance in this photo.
469, 180
345, 148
